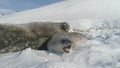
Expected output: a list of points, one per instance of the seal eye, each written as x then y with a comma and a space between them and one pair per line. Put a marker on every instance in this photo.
65, 41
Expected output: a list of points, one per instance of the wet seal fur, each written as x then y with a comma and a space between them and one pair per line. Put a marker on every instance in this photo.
17, 37
66, 42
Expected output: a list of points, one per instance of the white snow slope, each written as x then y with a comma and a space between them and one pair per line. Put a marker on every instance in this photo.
6, 11
97, 19
68, 10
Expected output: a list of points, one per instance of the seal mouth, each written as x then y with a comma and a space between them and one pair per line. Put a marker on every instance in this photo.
67, 49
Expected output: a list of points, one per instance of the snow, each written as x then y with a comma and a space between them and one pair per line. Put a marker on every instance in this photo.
97, 19
68, 10
6, 12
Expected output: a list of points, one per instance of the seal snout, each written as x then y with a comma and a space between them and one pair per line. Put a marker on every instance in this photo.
66, 42
67, 45
67, 49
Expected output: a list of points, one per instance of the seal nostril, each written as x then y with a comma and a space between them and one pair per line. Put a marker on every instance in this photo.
63, 41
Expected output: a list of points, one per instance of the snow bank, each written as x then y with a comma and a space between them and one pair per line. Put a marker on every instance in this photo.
25, 59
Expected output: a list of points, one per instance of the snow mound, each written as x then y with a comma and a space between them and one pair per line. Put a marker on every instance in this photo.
25, 59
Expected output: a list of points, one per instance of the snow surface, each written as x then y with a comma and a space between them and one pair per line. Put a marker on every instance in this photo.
6, 11
97, 19
68, 10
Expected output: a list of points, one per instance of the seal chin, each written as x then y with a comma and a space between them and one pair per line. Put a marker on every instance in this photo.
67, 49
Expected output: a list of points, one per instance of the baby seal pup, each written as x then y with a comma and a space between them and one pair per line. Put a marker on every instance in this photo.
65, 42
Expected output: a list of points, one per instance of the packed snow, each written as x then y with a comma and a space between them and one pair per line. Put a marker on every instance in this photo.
97, 19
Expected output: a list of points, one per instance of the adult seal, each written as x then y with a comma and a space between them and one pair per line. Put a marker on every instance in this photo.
17, 37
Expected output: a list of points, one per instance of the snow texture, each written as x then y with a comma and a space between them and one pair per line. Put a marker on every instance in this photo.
4, 12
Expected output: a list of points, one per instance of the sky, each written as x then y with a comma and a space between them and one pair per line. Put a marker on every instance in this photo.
24, 4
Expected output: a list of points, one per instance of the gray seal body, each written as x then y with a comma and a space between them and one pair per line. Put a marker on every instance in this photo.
17, 37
